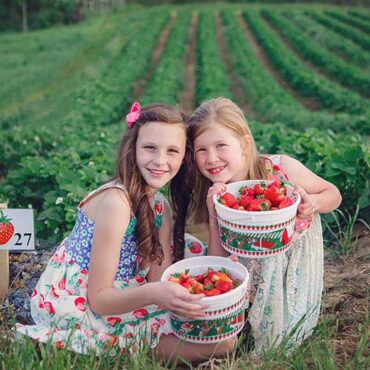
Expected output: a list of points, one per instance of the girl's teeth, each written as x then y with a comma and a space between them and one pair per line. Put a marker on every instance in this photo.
216, 170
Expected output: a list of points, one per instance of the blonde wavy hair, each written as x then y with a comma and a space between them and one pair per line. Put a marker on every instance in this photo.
224, 112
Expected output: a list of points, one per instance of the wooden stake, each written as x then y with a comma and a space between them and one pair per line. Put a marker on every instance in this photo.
4, 270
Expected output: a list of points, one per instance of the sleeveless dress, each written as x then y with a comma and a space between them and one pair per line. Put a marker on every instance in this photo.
59, 305
285, 289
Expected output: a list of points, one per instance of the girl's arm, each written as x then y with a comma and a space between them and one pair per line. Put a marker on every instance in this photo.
165, 238
111, 222
321, 196
214, 243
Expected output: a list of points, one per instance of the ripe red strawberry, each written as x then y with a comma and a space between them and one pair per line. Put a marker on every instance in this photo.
199, 278
276, 183
196, 248
6, 229
286, 202
187, 285
259, 189
274, 194
258, 205
228, 200
222, 286
212, 292
210, 273
245, 200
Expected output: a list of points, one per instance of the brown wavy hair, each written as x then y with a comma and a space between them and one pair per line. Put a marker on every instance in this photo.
224, 112
180, 186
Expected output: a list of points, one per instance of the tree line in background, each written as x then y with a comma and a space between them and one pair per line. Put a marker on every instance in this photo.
22, 15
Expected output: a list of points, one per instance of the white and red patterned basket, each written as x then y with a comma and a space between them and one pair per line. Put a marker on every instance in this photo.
225, 313
256, 234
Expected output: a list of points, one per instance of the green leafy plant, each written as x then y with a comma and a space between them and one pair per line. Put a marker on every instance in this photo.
341, 227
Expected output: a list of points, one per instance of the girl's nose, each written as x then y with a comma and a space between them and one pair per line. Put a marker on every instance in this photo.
159, 159
212, 157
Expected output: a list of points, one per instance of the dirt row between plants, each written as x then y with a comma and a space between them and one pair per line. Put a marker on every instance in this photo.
233, 78
141, 84
188, 93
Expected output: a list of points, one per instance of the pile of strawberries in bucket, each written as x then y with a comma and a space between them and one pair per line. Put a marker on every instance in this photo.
210, 283
260, 197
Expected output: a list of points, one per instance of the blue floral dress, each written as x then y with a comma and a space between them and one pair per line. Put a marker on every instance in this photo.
59, 305
285, 289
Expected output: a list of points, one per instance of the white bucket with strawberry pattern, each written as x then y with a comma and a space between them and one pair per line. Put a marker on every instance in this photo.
225, 315
256, 234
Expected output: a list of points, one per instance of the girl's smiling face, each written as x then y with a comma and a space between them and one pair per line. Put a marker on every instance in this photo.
220, 155
160, 150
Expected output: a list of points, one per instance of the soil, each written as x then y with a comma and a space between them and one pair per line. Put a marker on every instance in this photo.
141, 84
187, 96
309, 104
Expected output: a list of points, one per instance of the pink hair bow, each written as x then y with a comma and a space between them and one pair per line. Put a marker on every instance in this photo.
134, 114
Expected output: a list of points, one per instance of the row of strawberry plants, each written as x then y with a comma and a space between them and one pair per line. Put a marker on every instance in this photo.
99, 102
302, 78
270, 101
356, 36
342, 72
167, 82
329, 39
211, 75
82, 156
365, 17
355, 22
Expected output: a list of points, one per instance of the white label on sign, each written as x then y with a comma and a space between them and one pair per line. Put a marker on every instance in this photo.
17, 229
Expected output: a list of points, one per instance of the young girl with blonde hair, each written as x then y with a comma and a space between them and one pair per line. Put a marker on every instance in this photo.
100, 288
285, 289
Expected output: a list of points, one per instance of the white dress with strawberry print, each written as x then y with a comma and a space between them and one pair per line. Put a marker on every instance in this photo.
59, 303
285, 289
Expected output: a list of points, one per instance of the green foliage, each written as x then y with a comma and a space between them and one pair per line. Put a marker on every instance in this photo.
40, 13
167, 81
212, 79
329, 39
278, 105
340, 227
347, 31
342, 72
302, 78
353, 21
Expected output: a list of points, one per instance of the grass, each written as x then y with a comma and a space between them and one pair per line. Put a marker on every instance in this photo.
321, 351
340, 226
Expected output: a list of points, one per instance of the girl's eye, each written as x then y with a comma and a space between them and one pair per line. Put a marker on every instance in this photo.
221, 145
200, 150
149, 147
173, 150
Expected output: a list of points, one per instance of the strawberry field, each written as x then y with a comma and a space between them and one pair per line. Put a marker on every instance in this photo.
301, 74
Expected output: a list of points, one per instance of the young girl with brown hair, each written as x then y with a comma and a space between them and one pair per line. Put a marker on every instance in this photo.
101, 286
285, 289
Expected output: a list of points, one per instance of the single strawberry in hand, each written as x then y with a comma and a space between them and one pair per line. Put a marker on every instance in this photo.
6, 229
